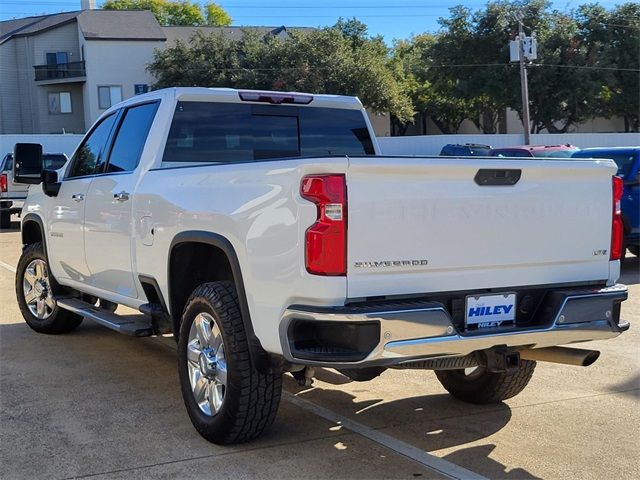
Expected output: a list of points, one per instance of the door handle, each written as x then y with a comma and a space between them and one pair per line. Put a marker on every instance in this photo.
78, 197
121, 197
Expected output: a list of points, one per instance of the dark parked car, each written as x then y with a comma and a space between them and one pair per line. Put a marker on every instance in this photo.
628, 161
466, 150
538, 151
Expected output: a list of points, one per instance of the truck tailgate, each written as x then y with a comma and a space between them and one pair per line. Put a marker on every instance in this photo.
418, 224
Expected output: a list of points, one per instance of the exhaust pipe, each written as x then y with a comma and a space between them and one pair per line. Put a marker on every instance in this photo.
566, 355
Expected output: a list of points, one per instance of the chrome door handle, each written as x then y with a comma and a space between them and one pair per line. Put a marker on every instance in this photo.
78, 197
121, 197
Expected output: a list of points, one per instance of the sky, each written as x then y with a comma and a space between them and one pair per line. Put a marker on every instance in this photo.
389, 18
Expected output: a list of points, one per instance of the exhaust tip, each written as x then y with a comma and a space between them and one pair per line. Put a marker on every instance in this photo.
590, 358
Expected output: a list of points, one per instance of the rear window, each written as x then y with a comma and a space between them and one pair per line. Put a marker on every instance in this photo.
229, 132
510, 153
7, 163
564, 153
623, 160
54, 161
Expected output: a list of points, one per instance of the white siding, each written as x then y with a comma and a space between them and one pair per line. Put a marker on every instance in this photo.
115, 62
10, 111
24, 104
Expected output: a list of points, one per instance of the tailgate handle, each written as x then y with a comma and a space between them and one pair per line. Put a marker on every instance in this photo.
497, 176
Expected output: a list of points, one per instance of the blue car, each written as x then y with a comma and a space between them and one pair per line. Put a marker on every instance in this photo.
628, 161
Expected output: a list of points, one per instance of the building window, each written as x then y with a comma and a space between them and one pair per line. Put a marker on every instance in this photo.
57, 58
109, 95
59, 102
140, 88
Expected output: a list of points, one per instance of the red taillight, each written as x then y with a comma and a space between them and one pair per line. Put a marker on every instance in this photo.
326, 240
617, 228
3, 182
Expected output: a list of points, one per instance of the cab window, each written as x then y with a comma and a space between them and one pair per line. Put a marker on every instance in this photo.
89, 157
131, 137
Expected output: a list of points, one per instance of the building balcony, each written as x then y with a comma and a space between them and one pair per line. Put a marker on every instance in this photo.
60, 73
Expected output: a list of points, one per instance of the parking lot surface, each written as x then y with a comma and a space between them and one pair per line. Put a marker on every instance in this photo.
94, 403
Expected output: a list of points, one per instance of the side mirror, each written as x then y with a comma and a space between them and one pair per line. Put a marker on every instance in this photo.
50, 183
27, 163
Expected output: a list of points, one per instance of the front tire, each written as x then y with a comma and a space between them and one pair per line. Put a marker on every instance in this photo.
228, 400
481, 386
35, 290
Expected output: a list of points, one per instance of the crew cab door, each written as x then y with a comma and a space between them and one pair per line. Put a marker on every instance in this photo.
108, 237
65, 237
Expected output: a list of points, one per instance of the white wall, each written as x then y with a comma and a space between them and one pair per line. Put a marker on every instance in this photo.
417, 145
431, 144
50, 143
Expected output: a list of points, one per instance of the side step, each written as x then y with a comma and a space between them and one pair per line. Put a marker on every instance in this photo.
135, 325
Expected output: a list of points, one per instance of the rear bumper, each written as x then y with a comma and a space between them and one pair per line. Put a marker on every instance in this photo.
394, 334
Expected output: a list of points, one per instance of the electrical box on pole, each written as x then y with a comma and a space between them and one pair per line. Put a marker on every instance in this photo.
523, 50
529, 45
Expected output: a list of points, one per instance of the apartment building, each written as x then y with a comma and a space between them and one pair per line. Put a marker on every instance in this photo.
59, 72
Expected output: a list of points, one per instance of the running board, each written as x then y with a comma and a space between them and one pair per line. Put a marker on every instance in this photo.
135, 325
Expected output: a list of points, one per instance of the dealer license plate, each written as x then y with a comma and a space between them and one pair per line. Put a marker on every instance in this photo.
490, 311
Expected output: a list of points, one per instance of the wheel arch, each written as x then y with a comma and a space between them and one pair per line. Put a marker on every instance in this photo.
220, 263
32, 231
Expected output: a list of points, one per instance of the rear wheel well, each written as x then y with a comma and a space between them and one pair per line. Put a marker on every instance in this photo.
192, 264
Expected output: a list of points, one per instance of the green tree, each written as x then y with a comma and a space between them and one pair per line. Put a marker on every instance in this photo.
341, 60
175, 12
587, 66
620, 50
216, 15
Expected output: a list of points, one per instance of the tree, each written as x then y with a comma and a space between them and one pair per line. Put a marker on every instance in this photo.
216, 15
587, 66
175, 12
341, 59
620, 51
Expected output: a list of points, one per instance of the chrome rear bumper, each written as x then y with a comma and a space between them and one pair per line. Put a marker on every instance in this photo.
401, 333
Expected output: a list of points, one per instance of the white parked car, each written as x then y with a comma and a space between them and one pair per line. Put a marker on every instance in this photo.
266, 233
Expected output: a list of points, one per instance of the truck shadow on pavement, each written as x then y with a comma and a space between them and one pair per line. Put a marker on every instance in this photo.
96, 401
429, 422
630, 271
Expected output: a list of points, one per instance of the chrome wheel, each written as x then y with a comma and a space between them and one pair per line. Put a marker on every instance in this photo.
207, 364
37, 289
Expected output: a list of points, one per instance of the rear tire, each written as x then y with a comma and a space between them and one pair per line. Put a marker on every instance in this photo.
35, 288
481, 386
227, 398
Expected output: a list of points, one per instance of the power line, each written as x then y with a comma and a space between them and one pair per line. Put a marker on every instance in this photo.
585, 67
460, 65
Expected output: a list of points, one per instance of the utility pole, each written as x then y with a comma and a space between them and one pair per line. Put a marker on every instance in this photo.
523, 84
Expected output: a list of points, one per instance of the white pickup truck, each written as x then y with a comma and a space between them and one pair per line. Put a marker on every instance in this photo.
264, 231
